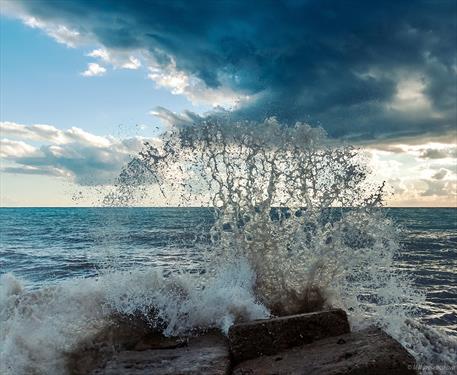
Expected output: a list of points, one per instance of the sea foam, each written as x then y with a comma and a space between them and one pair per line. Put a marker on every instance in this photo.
297, 227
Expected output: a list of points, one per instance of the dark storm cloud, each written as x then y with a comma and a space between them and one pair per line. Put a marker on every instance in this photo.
336, 63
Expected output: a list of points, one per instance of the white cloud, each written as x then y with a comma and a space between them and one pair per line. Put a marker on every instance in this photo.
100, 53
38, 132
133, 63
436, 188
50, 134
410, 95
11, 148
93, 70
59, 32
193, 88
118, 59
421, 174
42, 171
85, 158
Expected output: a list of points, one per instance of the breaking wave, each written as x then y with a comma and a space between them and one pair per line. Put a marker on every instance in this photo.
298, 227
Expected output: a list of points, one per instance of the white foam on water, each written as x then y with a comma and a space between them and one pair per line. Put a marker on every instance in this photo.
38, 329
333, 241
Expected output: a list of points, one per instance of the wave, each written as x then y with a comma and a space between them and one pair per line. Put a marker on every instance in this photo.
298, 227
39, 329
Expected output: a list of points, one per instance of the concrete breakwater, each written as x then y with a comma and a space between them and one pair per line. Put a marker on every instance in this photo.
312, 343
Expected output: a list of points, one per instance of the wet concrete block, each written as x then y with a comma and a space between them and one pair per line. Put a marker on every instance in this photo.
370, 351
266, 337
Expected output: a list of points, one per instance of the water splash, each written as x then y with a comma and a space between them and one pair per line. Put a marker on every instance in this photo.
302, 211
298, 227
39, 329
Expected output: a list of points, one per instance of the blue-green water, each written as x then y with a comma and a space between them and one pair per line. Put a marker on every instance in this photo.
65, 271
47, 245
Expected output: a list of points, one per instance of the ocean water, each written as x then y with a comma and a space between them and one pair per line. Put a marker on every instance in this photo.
44, 246
47, 245
60, 252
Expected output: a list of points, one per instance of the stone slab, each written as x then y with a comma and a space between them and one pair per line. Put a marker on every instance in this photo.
370, 351
266, 337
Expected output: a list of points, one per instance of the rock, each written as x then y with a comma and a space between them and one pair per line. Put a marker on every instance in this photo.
94, 350
313, 343
370, 351
120, 333
154, 341
206, 354
267, 337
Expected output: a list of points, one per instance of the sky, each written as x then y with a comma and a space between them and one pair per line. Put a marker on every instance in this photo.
84, 83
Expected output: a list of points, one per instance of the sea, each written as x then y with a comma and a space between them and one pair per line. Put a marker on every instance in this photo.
62, 250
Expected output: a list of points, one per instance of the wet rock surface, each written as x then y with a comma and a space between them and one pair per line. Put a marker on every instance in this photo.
206, 354
312, 343
370, 351
266, 337
119, 334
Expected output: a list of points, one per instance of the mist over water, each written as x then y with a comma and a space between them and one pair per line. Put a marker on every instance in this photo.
297, 226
